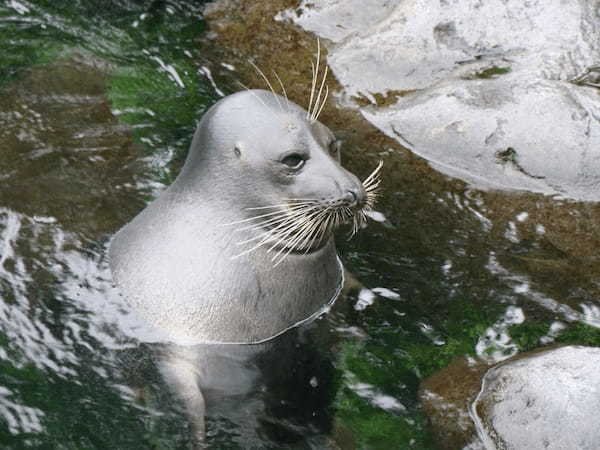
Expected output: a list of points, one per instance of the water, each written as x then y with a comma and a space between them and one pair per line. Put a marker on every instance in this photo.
97, 109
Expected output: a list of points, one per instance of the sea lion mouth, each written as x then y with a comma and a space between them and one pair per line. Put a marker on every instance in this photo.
303, 226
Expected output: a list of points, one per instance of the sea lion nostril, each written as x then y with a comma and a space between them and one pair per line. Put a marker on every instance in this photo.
355, 197
351, 198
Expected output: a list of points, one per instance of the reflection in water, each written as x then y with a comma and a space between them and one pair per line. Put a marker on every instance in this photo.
249, 385
54, 335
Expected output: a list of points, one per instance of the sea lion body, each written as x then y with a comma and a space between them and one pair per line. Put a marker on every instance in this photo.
180, 262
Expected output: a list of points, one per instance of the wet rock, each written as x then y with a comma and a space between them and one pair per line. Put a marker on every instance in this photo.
546, 400
543, 399
445, 398
501, 94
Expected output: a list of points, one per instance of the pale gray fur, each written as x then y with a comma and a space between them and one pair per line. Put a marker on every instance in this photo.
175, 262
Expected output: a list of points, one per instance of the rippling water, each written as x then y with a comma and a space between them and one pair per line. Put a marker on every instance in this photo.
97, 109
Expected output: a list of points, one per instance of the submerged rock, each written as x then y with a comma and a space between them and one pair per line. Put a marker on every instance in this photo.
502, 94
546, 400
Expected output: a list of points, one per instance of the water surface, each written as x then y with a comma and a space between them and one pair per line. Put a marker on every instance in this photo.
97, 110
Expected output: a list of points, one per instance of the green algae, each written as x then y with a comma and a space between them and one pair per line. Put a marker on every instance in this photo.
581, 334
489, 73
392, 361
162, 112
150, 49
371, 426
527, 335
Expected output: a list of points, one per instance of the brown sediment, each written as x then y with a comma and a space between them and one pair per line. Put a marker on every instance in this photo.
446, 397
65, 155
381, 100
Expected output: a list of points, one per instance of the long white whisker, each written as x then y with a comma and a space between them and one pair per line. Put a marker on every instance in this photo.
275, 221
279, 211
293, 245
281, 205
284, 234
282, 86
278, 220
317, 102
325, 227
265, 237
284, 225
315, 80
322, 104
373, 174
312, 88
317, 234
258, 98
268, 84
312, 230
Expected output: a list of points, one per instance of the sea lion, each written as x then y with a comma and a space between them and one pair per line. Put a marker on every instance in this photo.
239, 248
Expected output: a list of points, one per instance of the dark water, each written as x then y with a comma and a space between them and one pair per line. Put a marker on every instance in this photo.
97, 108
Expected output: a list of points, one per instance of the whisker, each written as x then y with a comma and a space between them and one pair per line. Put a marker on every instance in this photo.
285, 224
313, 86
268, 84
373, 174
281, 205
322, 104
276, 220
293, 245
282, 211
293, 228
265, 237
320, 232
317, 102
312, 230
315, 79
258, 98
282, 86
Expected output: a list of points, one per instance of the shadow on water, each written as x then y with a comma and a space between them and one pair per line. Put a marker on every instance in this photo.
97, 110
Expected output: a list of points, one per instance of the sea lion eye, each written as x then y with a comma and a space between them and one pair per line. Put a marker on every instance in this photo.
334, 147
293, 161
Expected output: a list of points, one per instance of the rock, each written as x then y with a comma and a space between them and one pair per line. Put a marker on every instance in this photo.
446, 396
545, 400
501, 94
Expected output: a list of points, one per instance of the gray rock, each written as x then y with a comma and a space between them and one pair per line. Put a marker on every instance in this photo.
502, 93
548, 400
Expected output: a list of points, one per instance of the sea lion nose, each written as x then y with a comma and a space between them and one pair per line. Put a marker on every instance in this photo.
356, 197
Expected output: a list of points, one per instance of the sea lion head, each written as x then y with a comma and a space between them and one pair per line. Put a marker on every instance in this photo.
282, 166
